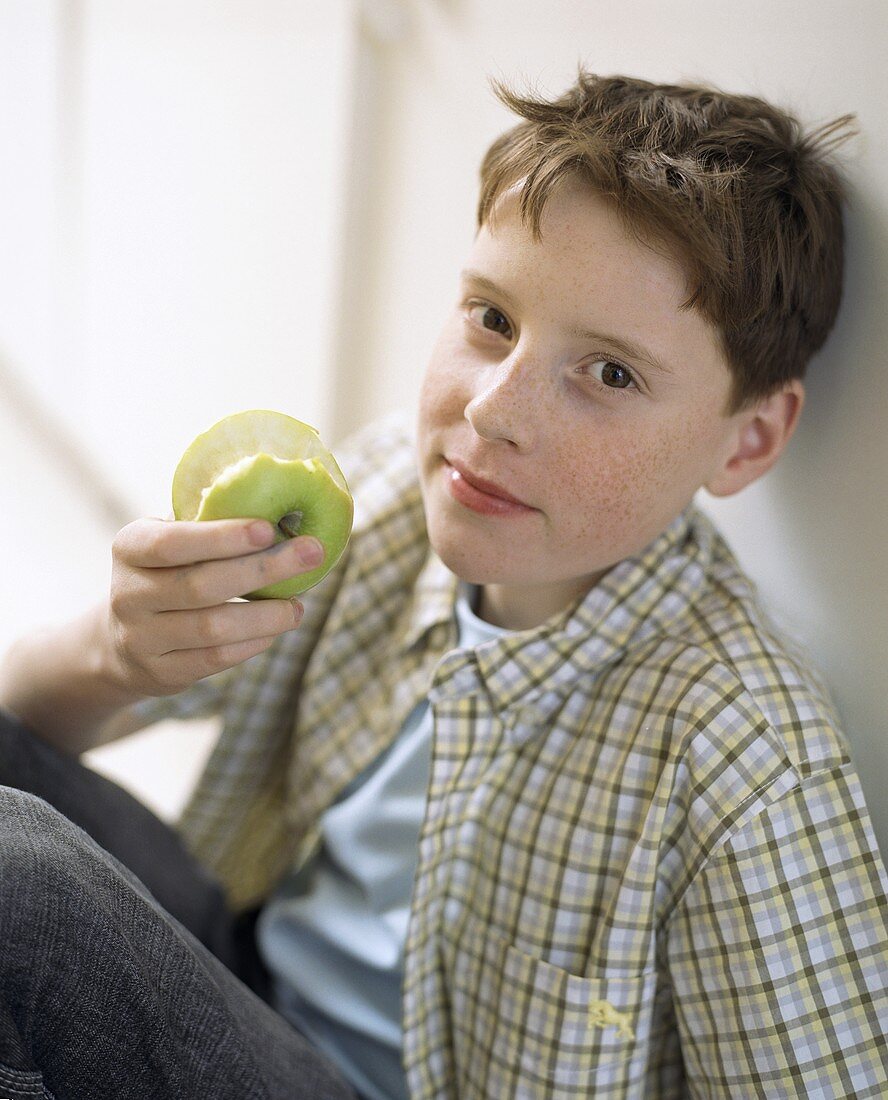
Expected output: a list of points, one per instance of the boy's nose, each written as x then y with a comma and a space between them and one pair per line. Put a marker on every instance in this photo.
506, 405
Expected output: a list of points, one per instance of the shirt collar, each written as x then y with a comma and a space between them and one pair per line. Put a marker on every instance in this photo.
639, 597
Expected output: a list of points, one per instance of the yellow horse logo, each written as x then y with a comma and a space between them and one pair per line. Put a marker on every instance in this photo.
603, 1014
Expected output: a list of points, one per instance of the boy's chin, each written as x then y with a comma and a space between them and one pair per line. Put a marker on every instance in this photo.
466, 563
467, 568
495, 569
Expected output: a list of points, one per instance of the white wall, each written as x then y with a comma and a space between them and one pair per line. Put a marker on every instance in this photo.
265, 202
170, 216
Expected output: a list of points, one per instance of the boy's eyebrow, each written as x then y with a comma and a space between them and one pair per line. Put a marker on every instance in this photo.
625, 347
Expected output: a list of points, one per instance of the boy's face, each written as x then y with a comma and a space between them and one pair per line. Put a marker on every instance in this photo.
544, 386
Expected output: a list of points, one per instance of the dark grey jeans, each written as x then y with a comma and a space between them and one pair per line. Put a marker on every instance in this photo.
122, 974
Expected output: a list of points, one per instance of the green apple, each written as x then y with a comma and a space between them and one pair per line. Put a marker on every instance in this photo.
265, 465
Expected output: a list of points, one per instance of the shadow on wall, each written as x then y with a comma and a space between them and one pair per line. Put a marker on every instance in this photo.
831, 490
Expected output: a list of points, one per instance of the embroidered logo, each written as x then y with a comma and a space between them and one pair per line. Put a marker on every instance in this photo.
603, 1014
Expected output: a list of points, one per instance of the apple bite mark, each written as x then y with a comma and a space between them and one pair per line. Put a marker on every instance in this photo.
265, 465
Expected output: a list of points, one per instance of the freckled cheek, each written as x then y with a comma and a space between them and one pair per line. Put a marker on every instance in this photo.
620, 489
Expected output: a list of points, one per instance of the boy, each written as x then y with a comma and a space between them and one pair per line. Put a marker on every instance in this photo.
534, 752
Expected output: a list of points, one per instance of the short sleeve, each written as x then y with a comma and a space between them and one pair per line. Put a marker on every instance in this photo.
778, 953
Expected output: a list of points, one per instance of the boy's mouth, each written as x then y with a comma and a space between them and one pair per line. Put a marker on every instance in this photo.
479, 494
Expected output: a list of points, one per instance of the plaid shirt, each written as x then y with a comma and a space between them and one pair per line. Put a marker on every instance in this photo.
646, 868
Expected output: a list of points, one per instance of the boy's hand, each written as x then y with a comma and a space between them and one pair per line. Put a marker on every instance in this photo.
170, 622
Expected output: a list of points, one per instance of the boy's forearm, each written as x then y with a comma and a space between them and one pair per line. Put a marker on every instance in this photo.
59, 682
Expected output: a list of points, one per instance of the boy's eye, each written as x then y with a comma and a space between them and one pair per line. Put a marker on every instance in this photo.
613, 375
492, 320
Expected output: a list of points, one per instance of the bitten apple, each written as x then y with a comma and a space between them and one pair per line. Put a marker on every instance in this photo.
266, 465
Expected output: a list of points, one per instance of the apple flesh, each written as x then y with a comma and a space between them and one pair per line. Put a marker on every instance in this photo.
265, 465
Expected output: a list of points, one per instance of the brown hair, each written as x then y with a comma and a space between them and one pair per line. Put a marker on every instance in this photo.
729, 184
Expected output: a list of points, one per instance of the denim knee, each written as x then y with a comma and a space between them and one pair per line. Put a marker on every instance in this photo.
45, 866
56, 885
41, 852
35, 846
77, 929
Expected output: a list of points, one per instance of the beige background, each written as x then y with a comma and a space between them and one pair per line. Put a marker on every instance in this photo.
212, 206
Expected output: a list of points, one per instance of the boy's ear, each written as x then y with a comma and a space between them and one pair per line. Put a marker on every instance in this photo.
759, 437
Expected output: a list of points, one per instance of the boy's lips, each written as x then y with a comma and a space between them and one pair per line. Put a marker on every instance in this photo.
478, 493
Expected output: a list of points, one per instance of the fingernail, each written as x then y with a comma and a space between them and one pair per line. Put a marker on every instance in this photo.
298, 611
311, 552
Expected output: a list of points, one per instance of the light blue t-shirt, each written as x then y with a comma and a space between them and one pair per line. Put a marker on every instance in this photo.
333, 936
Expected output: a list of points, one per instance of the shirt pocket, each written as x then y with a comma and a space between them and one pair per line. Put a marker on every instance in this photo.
525, 1029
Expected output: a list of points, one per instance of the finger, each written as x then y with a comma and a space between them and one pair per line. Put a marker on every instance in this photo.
226, 624
215, 582
159, 543
185, 666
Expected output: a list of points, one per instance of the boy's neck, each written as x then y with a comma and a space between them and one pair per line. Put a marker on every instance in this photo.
514, 607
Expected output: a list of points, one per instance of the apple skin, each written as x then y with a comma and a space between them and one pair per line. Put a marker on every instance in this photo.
246, 480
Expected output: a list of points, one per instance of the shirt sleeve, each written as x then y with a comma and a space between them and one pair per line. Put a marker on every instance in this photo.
778, 953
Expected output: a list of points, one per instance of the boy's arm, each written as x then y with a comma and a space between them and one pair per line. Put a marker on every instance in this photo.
59, 683
778, 953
